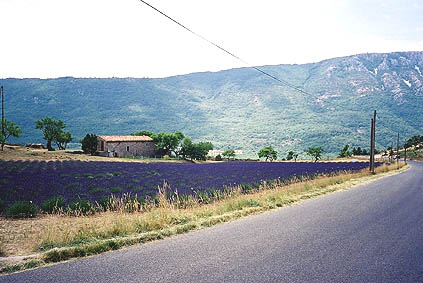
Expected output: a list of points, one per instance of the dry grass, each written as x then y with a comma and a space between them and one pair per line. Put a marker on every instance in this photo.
30, 154
87, 234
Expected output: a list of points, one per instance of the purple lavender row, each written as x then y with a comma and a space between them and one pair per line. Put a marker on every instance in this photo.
38, 181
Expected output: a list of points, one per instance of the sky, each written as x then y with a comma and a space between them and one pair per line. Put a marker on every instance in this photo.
126, 38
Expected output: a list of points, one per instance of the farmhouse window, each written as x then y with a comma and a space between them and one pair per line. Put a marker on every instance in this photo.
127, 148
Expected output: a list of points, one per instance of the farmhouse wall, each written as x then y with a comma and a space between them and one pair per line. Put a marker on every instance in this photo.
123, 149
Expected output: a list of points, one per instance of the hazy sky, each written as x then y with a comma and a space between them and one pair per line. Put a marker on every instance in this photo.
125, 38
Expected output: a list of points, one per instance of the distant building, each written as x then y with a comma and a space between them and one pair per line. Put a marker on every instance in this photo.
215, 152
121, 146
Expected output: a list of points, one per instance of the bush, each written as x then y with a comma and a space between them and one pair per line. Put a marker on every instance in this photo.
218, 157
53, 205
1, 206
22, 209
166, 157
108, 203
81, 207
2, 249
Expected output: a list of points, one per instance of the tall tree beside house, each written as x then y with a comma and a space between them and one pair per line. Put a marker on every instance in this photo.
52, 130
10, 129
144, 133
167, 142
89, 144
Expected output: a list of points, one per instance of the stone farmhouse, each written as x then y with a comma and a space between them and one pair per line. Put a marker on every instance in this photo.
122, 146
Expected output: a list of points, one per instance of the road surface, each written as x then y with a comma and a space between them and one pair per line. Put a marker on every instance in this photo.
371, 233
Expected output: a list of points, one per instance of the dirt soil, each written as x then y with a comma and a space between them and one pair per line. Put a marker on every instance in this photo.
12, 152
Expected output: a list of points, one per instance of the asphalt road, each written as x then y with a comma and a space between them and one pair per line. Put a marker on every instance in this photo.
371, 233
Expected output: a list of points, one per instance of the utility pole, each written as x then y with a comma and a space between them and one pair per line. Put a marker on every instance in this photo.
405, 155
2, 111
371, 147
372, 143
391, 153
398, 157
374, 139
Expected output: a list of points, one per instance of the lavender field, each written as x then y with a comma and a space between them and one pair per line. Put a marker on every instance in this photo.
38, 181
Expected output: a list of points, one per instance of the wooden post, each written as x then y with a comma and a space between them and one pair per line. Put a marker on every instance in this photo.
371, 147
2, 111
373, 143
391, 153
398, 157
405, 155
374, 139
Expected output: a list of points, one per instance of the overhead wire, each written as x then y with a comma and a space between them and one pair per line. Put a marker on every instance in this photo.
228, 52
283, 82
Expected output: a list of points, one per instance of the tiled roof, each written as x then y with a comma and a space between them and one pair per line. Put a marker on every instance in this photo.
125, 138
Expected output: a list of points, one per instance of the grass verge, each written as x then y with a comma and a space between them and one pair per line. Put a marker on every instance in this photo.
62, 237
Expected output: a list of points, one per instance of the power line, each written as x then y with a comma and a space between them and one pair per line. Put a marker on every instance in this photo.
283, 82
228, 52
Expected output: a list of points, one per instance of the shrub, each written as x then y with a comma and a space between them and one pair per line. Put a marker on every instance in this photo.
108, 203
218, 157
166, 157
97, 190
22, 209
2, 250
116, 189
81, 207
53, 204
1, 206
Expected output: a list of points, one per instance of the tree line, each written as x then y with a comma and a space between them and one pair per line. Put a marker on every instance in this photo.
173, 144
271, 154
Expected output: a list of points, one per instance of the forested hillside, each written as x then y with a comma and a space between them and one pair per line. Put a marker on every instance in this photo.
238, 108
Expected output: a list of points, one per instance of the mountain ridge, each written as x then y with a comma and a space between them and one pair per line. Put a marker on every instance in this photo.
239, 108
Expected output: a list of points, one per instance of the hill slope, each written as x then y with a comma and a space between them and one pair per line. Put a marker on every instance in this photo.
240, 108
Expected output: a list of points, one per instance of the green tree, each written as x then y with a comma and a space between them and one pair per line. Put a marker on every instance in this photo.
144, 133
268, 152
292, 155
229, 153
345, 151
414, 141
315, 152
89, 144
187, 148
197, 151
63, 139
52, 129
357, 151
10, 129
167, 142
202, 149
